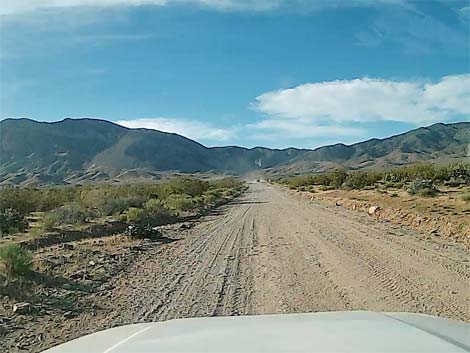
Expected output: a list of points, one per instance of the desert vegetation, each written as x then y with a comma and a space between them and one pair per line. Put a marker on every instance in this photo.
35, 212
430, 197
421, 179
152, 203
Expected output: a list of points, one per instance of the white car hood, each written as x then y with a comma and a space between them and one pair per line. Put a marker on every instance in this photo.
313, 332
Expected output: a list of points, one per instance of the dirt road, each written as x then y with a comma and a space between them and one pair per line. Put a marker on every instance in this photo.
272, 252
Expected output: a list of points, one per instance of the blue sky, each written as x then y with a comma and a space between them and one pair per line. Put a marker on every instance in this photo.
275, 73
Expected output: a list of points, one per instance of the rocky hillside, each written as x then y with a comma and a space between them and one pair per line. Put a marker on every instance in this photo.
77, 150
70, 151
435, 143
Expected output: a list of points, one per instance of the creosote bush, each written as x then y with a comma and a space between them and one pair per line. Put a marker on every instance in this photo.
452, 174
159, 202
466, 197
16, 260
424, 188
179, 202
11, 221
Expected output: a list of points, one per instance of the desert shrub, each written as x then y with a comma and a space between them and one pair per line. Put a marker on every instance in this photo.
325, 188
76, 204
69, 214
453, 174
421, 171
21, 200
214, 192
360, 180
16, 260
179, 203
456, 174
11, 221
49, 221
310, 188
187, 186
424, 188
154, 205
300, 181
143, 231
153, 214
466, 197
322, 179
27, 200
118, 205
228, 193
210, 199
199, 201
156, 212
226, 183
337, 178
135, 215
54, 197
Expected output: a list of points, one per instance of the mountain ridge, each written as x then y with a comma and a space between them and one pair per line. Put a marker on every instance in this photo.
86, 149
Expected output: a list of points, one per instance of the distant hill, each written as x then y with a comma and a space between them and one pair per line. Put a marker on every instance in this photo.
78, 150
436, 143
83, 150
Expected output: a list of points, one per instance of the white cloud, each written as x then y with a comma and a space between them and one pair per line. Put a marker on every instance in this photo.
193, 129
21, 6
368, 99
464, 14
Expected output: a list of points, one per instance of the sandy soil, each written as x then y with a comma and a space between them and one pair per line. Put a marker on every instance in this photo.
271, 252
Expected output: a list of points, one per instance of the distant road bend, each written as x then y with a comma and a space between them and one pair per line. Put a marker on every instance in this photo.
271, 252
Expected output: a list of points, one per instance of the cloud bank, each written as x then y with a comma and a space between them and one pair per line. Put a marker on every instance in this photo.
21, 6
370, 99
338, 110
334, 111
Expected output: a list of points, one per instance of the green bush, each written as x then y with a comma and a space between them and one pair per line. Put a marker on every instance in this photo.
16, 260
157, 213
21, 200
337, 178
310, 188
68, 214
210, 199
109, 207
179, 203
226, 183
77, 204
360, 180
466, 197
135, 215
49, 221
300, 181
187, 186
154, 214
11, 221
424, 188
453, 174
325, 188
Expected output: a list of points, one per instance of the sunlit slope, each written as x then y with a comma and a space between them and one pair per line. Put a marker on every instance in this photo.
80, 150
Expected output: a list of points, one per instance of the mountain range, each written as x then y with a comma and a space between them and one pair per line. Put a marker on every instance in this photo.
84, 150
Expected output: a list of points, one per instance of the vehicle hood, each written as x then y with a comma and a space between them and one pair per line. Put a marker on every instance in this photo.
312, 332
